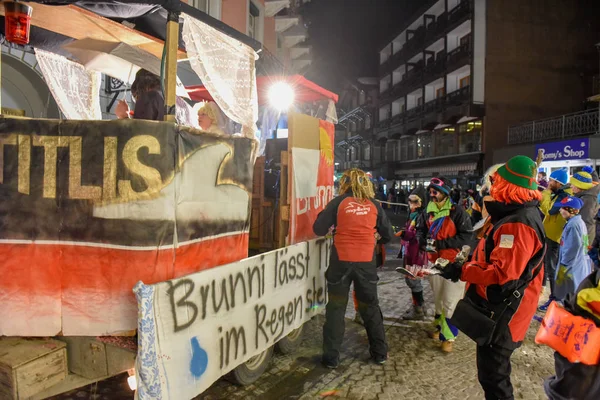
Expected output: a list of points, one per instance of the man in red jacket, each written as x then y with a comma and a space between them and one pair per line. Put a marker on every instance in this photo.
506, 271
357, 219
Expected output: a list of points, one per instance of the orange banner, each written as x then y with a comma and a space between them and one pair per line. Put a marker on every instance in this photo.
304, 211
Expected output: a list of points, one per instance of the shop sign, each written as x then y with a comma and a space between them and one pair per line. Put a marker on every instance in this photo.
576, 149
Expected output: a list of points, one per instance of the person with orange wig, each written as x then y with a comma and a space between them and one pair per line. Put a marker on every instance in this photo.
504, 276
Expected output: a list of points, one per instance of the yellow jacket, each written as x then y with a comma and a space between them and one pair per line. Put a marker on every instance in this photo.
554, 223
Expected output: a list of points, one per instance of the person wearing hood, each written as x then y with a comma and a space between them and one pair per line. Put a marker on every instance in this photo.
444, 229
573, 262
504, 275
554, 224
411, 251
587, 190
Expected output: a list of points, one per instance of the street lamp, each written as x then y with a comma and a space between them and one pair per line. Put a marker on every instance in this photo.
281, 96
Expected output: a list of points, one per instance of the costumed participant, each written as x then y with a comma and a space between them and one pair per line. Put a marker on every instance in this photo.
584, 187
147, 93
578, 380
504, 276
554, 224
357, 219
444, 229
411, 252
480, 216
573, 262
211, 119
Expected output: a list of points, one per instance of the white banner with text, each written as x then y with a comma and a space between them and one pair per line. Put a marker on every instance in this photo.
195, 329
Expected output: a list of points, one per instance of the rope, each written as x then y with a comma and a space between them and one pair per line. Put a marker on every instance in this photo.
393, 204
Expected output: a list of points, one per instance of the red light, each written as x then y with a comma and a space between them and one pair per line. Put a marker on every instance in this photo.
17, 21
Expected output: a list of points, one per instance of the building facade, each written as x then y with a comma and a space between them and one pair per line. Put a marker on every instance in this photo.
460, 72
356, 121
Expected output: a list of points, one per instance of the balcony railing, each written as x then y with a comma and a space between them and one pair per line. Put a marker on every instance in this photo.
460, 11
568, 125
461, 52
458, 96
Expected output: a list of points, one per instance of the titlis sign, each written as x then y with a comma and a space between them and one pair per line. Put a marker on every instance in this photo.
194, 329
577, 149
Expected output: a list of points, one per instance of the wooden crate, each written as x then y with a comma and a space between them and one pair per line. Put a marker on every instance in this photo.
29, 366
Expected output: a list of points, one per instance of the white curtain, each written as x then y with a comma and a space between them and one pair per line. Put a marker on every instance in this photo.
76, 90
227, 69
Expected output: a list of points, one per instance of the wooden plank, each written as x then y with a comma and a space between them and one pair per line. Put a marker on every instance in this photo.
303, 131
283, 201
41, 373
78, 23
119, 359
29, 366
171, 69
87, 356
15, 351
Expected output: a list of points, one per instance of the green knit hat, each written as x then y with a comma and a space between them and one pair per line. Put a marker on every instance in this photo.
520, 171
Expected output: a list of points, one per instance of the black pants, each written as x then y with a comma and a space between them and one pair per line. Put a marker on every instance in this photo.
340, 275
550, 261
493, 372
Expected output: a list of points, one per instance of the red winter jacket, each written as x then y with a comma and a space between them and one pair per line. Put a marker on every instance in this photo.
501, 261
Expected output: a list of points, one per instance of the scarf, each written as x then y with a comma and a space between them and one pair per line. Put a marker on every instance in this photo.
439, 212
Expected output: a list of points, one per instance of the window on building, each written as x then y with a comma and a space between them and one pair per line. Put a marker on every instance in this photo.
202, 5
424, 145
366, 152
445, 142
441, 92
368, 122
253, 21
464, 82
469, 137
465, 40
420, 101
410, 148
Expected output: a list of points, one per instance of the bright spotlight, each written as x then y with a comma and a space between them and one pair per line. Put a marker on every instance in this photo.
281, 96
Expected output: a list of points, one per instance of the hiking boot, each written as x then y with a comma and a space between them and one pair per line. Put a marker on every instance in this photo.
358, 319
447, 347
544, 307
415, 313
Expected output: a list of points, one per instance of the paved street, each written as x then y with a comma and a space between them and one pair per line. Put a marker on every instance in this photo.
416, 369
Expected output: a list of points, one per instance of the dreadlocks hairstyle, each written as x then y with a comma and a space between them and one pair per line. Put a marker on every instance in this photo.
506, 192
358, 182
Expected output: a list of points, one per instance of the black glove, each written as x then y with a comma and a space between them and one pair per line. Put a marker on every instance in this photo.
452, 272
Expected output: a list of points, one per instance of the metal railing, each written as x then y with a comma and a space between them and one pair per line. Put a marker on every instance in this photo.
568, 125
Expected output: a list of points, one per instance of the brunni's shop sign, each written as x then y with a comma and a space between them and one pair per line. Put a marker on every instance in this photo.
576, 149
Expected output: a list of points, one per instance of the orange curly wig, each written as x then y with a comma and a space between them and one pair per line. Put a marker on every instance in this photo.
506, 192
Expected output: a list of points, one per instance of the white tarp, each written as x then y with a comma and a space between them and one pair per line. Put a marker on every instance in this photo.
306, 171
76, 90
227, 69
194, 329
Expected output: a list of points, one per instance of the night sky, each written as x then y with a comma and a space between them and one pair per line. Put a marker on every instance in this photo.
345, 36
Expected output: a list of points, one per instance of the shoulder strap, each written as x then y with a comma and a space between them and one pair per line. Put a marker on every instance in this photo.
517, 293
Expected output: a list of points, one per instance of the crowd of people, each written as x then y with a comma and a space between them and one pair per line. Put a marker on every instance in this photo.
527, 231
